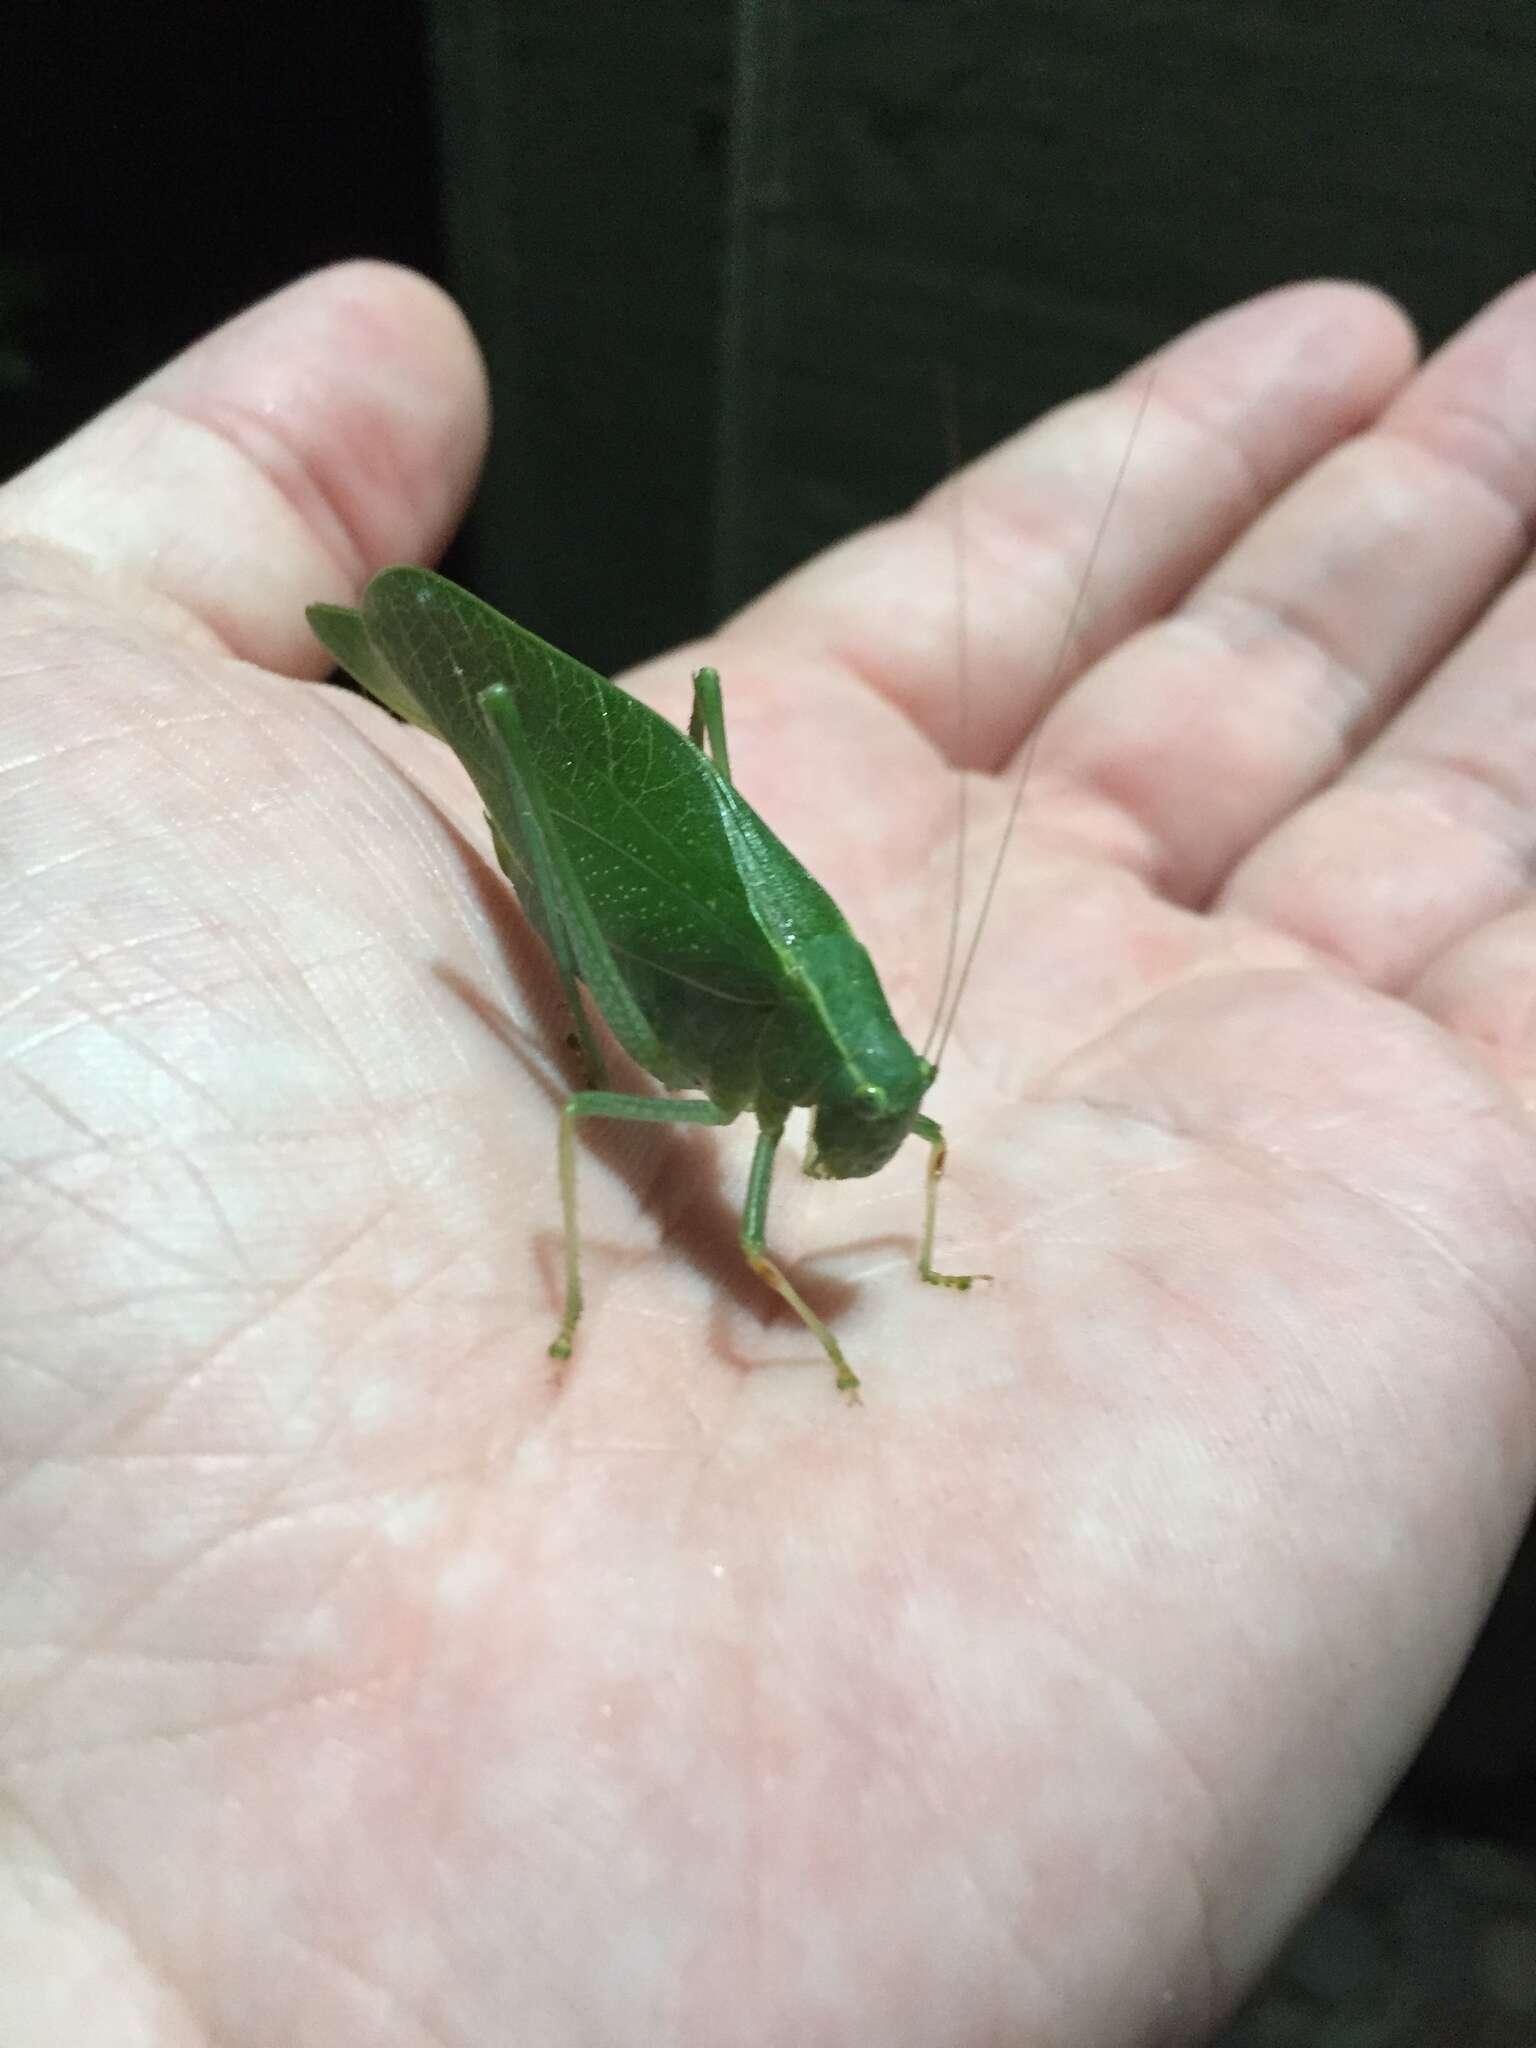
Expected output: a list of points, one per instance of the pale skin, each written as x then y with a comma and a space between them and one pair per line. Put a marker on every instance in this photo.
363, 1683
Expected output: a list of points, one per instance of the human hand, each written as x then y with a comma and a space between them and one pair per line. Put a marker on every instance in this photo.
360, 1681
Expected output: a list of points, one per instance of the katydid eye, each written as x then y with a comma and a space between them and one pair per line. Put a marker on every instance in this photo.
868, 1100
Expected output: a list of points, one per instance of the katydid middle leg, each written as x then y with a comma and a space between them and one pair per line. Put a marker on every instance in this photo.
754, 1223
638, 1109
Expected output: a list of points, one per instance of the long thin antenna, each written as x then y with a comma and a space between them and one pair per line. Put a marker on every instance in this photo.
1057, 666
949, 399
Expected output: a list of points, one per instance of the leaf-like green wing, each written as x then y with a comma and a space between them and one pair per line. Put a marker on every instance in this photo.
343, 635
638, 804
648, 853
444, 703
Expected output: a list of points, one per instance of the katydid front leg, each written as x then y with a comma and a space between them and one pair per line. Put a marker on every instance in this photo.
938, 1151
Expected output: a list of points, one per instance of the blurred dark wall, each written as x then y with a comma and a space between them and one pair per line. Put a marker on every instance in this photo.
586, 158
728, 256
165, 165
1036, 191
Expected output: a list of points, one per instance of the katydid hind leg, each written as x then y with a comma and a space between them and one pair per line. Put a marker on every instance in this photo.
924, 1127
551, 924
590, 954
543, 883
754, 1224
707, 719
637, 1109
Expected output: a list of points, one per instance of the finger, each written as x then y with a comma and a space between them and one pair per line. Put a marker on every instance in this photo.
1212, 726
1484, 989
1432, 831
1239, 406
331, 428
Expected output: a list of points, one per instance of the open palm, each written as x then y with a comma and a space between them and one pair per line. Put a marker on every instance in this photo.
362, 1682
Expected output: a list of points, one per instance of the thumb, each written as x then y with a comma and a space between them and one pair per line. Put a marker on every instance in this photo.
333, 427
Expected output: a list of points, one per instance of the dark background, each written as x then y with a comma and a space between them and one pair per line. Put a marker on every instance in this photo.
724, 262
724, 259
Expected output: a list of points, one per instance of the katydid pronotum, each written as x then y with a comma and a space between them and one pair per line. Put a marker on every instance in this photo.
717, 961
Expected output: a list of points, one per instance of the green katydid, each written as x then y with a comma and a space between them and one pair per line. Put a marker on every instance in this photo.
717, 961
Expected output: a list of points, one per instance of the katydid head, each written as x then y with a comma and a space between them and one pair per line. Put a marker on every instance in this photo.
860, 1125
